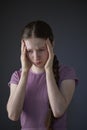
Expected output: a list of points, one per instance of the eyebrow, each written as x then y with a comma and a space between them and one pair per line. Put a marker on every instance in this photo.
37, 48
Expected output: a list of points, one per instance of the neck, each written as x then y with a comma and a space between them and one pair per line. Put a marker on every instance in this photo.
35, 69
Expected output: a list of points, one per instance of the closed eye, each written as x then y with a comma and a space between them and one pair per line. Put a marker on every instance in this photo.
41, 49
30, 51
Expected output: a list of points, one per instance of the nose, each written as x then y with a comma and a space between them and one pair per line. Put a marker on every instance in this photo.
36, 55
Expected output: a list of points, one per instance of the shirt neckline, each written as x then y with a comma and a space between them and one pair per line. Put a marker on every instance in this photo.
41, 73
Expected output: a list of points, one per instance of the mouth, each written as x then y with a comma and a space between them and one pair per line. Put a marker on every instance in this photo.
38, 63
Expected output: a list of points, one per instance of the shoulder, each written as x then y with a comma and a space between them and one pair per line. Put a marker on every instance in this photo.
65, 69
17, 73
67, 72
15, 77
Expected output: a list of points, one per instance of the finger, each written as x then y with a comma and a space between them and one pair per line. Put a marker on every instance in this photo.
23, 47
50, 50
49, 46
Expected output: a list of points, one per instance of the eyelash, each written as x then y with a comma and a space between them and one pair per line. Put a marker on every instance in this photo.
30, 51
41, 49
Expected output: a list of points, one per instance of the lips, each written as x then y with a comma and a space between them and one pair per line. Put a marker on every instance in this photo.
38, 62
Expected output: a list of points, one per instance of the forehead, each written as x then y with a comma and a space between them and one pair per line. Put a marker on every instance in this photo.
35, 43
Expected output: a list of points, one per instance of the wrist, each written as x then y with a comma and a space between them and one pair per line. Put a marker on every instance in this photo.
25, 71
49, 70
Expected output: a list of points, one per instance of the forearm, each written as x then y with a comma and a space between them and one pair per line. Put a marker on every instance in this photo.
15, 102
56, 99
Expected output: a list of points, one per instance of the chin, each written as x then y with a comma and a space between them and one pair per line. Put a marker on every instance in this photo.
40, 66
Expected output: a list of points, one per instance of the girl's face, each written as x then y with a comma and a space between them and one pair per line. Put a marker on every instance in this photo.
37, 51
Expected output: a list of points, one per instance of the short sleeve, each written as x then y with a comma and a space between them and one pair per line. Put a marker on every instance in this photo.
15, 78
67, 72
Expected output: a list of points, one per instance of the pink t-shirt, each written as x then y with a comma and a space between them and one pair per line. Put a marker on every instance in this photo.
36, 102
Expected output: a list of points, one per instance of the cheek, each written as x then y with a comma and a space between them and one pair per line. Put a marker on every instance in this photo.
29, 57
46, 55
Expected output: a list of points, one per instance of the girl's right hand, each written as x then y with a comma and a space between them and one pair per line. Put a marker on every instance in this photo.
25, 62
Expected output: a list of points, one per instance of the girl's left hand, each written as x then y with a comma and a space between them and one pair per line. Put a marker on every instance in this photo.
49, 62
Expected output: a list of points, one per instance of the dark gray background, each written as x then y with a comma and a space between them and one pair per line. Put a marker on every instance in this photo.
69, 23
